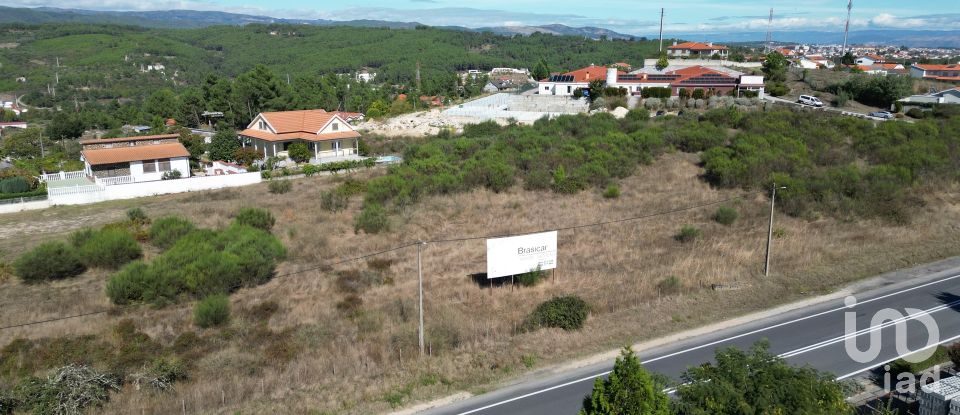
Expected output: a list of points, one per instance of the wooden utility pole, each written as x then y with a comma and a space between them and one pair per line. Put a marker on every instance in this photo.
420, 289
766, 263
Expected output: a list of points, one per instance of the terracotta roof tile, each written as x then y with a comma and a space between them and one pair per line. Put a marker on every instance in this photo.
696, 46
268, 136
135, 153
309, 121
930, 67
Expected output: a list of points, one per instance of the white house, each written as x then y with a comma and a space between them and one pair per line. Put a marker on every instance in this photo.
696, 50
948, 96
134, 159
690, 78
327, 135
947, 73
366, 76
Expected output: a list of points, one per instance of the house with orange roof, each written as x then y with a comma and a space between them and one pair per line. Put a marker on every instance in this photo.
689, 78
696, 50
327, 134
134, 159
947, 73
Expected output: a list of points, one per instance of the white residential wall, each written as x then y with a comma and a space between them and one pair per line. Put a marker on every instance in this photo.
93, 194
180, 163
19, 207
917, 72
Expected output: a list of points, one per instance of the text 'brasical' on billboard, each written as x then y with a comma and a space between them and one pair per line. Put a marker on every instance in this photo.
519, 254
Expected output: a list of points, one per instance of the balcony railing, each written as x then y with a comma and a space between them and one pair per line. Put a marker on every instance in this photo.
111, 181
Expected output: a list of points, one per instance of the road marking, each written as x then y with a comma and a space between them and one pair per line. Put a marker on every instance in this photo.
859, 303
852, 374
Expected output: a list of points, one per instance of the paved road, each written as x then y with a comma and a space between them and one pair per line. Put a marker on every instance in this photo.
813, 335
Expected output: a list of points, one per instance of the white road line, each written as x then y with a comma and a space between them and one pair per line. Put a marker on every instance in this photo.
873, 365
859, 303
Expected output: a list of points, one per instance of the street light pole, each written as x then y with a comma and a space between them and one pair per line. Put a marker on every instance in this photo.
420, 289
773, 198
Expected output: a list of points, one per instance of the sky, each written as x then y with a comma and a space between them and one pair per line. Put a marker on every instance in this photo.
635, 17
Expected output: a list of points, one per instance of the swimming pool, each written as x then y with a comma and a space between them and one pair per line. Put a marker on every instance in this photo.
391, 159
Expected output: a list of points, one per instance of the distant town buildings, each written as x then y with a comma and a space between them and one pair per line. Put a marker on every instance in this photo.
713, 81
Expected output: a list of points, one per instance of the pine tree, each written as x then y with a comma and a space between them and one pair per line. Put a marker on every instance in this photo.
629, 390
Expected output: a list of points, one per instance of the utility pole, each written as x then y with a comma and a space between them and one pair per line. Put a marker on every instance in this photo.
773, 198
661, 31
846, 30
420, 289
770, 31
41, 146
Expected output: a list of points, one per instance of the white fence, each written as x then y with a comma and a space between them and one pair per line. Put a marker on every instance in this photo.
26, 205
522, 108
79, 195
63, 175
110, 181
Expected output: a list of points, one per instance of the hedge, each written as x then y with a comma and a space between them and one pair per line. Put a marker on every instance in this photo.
32, 193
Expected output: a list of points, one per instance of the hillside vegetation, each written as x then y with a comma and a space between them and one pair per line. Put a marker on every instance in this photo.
329, 332
103, 61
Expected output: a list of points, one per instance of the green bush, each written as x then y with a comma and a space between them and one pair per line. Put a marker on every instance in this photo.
279, 186
299, 152
612, 192
106, 248
529, 279
70, 389
213, 311
49, 261
372, 219
171, 175
137, 215
567, 312
163, 373
254, 217
14, 185
670, 285
726, 215
333, 201
917, 113
166, 231
688, 233
310, 170
201, 263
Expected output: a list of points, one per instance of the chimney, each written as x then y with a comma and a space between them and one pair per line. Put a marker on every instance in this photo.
674, 43
588, 76
710, 44
612, 76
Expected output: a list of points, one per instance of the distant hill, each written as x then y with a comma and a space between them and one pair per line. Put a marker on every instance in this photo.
191, 19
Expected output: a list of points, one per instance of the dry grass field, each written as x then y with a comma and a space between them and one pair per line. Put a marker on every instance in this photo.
353, 350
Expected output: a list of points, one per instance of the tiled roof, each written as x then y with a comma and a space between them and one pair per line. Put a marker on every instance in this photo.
930, 67
696, 46
590, 73
299, 135
135, 153
309, 121
126, 139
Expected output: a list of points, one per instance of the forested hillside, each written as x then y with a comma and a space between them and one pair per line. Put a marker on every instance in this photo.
106, 61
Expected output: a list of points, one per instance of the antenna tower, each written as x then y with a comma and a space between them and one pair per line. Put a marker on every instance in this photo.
846, 29
770, 31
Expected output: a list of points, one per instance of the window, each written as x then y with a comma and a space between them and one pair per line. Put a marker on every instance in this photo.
568, 88
263, 125
149, 166
546, 88
164, 164
335, 127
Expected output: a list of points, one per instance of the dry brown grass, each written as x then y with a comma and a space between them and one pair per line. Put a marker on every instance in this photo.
349, 360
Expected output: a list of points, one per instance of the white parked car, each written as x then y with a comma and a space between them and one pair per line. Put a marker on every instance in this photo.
809, 100
882, 114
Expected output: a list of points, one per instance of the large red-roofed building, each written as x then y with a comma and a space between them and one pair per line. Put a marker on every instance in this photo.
688, 78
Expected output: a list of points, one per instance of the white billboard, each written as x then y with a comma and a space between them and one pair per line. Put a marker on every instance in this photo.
519, 254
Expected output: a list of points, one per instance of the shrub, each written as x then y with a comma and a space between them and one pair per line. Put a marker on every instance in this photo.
137, 215
171, 175
14, 185
68, 390
299, 152
213, 311
688, 233
310, 170
726, 215
255, 217
529, 279
168, 230
373, 219
917, 113
567, 312
612, 192
333, 201
669, 286
279, 186
538, 180
247, 155
953, 351
49, 261
162, 373
106, 248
